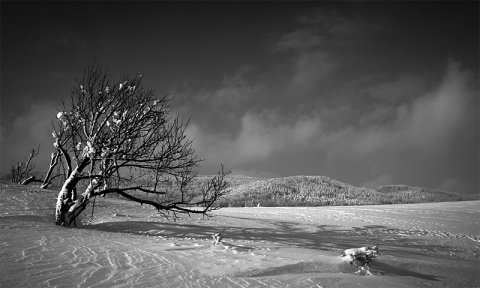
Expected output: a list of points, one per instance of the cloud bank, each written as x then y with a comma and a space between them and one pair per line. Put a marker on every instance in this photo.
380, 141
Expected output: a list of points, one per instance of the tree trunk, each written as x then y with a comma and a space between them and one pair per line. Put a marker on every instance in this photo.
80, 204
53, 163
66, 203
29, 180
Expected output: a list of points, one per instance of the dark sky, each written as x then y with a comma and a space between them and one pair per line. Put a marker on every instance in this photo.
369, 93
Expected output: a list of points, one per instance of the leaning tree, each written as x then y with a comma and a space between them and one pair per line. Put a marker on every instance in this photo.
116, 136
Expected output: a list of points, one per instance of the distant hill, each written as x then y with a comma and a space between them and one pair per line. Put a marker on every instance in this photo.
323, 191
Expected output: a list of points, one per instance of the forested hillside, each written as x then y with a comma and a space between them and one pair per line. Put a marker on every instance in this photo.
322, 191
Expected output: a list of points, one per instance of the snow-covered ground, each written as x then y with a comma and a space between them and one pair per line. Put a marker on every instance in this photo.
129, 245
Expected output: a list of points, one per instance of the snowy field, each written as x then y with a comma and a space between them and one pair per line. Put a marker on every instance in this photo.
129, 245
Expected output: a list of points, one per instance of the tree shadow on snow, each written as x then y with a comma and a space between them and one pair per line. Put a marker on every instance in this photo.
324, 237
384, 269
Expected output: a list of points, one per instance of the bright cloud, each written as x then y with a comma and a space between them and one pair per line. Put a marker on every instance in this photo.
426, 123
259, 138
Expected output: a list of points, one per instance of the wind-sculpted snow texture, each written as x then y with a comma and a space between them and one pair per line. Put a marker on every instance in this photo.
128, 245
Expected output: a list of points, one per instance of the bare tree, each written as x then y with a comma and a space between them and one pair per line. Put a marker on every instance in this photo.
21, 171
115, 136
